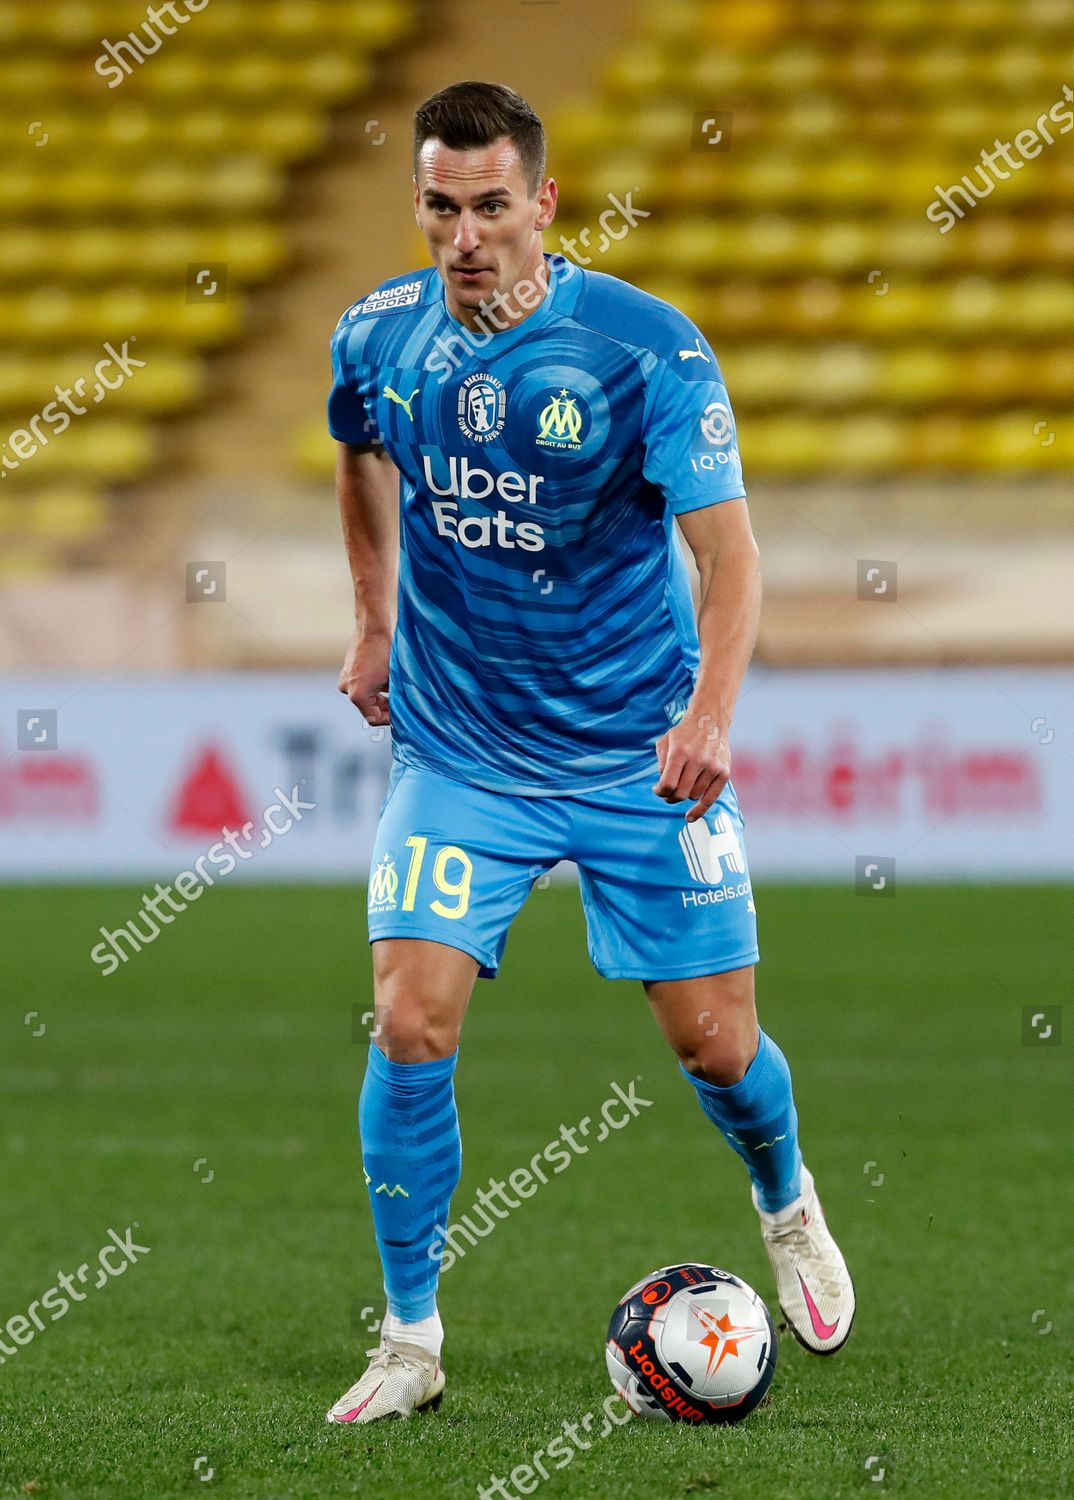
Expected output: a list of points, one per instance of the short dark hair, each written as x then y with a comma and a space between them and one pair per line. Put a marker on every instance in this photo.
467, 116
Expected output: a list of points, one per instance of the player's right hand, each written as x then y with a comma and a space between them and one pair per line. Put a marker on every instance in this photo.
364, 675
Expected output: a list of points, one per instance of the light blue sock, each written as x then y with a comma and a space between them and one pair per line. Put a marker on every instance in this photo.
758, 1118
412, 1153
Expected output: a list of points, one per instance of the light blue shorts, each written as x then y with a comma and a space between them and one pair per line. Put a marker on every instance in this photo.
663, 899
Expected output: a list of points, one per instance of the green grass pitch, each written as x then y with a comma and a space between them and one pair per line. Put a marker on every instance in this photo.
206, 1093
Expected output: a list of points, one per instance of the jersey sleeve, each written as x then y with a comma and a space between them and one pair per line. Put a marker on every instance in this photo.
689, 437
350, 419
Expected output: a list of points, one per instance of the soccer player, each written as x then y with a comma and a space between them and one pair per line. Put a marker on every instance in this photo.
518, 437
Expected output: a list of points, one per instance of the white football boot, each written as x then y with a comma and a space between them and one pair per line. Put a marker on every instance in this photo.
401, 1379
812, 1281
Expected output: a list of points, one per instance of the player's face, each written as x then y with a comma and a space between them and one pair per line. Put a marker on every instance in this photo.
483, 226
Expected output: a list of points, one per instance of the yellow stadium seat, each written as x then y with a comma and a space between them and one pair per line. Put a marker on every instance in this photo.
918, 373
1039, 306
942, 440
578, 131
177, 76
330, 76
638, 71
30, 78
868, 442
669, 21
1015, 440
103, 448
1052, 369
765, 374
747, 26
71, 514
379, 23
816, 117
295, 21
991, 241
901, 17
1019, 69
841, 374
617, 175
110, 450
907, 308
771, 241
17, 387
791, 69
1055, 239
714, 74
71, 23
129, 125
990, 374
910, 245
45, 312
287, 135
770, 178
701, 246
736, 307
791, 443
168, 381
842, 246
850, 177
226, 26
933, 70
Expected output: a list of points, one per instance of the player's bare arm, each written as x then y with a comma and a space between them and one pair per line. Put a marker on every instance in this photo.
694, 757
367, 485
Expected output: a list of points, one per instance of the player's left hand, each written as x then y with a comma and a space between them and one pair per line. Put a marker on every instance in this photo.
694, 761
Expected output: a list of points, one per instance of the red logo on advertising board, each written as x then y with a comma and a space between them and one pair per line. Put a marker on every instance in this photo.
50, 787
209, 798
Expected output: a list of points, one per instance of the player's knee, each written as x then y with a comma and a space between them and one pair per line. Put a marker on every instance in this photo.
411, 1031
722, 1059
421, 993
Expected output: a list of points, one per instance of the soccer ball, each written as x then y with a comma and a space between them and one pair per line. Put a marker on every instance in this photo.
691, 1344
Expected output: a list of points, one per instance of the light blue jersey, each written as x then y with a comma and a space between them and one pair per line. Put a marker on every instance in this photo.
546, 635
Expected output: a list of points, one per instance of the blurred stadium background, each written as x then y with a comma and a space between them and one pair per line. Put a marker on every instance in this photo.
904, 394
174, 606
